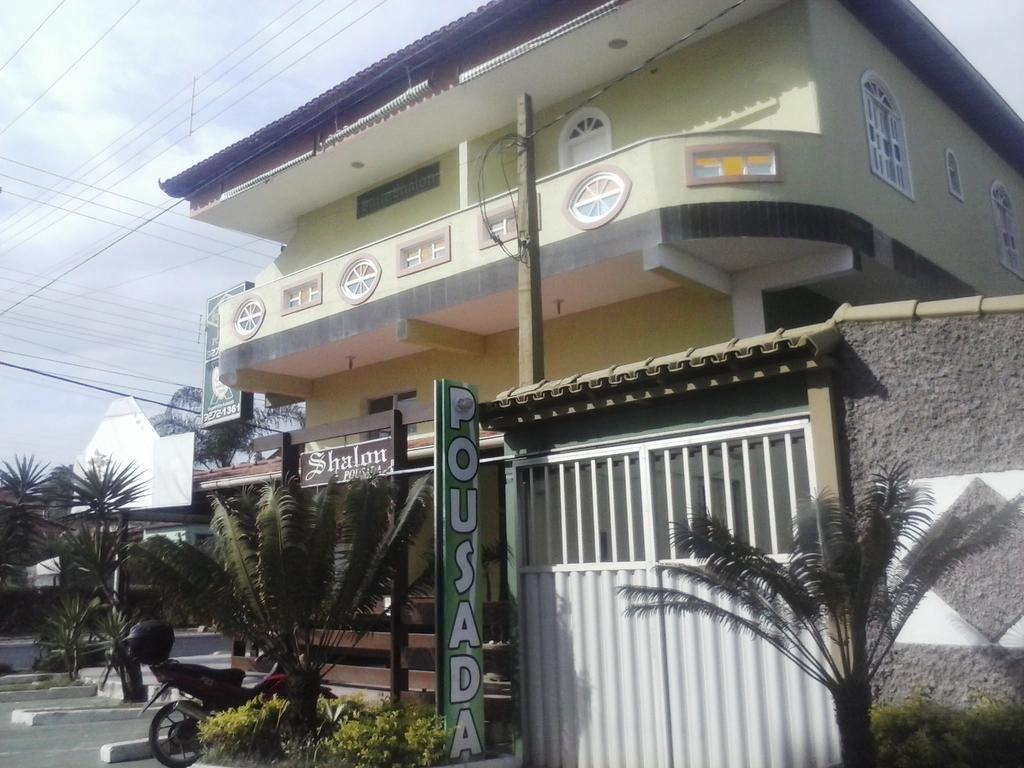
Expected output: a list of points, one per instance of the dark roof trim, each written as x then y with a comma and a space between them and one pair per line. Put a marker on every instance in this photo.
897, 23
428, 58
926, 52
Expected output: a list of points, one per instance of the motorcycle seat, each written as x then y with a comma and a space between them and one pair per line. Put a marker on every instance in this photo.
231, 676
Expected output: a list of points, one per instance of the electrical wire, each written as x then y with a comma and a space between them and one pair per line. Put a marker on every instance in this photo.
79, 355
499, 144
93, 201
93, 386
179, 316
78, 212
89, 258
170, 406
42, 358
181, 123
100, 338
74, 64
96, 157
148, 334
31, 35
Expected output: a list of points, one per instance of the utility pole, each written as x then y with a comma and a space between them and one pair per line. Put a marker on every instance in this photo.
531, 323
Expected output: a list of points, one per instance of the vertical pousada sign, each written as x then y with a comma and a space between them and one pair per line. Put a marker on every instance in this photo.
460, 673
221, 403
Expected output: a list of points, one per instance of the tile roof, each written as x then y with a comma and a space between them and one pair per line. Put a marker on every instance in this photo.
361, 88
811, 340
897, 23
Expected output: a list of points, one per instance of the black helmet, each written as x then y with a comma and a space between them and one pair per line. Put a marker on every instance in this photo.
150, 642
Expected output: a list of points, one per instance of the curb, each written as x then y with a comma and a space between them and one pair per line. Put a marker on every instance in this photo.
124, 751
69, 692
26, 677
505, 761
32, 717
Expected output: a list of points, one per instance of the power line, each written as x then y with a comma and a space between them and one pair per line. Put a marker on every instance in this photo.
31, 35
93, 201
79, 355
171, 98
78, 212
192, 329
93, 386
124, 394
179, 316
65, 72
100, 337
89, 258
93, 368
192, 340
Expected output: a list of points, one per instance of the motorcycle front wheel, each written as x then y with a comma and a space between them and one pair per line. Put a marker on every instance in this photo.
174, 737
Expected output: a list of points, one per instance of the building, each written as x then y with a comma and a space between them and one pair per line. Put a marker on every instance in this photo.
790, 157
765, 164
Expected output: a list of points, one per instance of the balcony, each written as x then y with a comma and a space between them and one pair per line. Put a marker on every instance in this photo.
698, 209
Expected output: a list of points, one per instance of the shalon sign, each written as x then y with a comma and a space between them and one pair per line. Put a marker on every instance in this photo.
460, 694
347, 462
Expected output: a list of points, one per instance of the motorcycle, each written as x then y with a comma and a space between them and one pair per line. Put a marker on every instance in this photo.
174, 730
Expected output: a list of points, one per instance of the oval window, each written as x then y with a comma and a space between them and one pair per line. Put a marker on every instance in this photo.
249, 317
359, 280
597, 199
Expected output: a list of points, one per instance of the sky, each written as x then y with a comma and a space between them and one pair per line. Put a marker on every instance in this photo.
100, 92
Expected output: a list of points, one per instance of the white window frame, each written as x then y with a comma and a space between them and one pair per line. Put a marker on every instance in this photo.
431, 250
1007, 231
895, 123
565, 143
953, 170
302, 295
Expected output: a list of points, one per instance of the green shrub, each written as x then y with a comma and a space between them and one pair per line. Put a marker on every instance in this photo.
383, 735
923, 734
252, 730
352, 733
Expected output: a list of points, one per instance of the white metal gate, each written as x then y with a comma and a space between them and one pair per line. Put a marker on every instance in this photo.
601, 689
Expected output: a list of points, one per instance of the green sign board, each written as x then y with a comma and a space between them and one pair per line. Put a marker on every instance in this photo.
460, 663
221, 403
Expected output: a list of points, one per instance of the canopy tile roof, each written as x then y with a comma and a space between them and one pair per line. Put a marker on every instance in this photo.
808, 341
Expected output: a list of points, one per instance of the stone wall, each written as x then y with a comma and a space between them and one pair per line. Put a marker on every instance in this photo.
945, 396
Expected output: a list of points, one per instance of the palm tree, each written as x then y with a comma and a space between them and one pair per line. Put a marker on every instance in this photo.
836, 605
293, 572
219, 445
96, 552
22, 508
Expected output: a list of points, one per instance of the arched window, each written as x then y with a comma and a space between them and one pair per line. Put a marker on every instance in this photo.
887, 144
956, 187
586, 134
1006, 230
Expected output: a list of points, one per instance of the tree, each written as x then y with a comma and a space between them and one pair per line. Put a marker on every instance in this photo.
22, 508
836, 605
96, 553
218, 445
293, 572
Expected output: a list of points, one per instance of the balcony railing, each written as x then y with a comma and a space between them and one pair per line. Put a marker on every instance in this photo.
647, 175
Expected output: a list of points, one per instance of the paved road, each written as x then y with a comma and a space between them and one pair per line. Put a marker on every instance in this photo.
65, 746
19, 652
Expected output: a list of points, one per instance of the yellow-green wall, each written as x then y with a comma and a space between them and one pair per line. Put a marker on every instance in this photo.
660, 324
753, 76
958, 236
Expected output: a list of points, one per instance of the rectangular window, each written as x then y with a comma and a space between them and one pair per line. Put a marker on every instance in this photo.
501, 224
425, 252
732, 164
308, 293
398, 190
